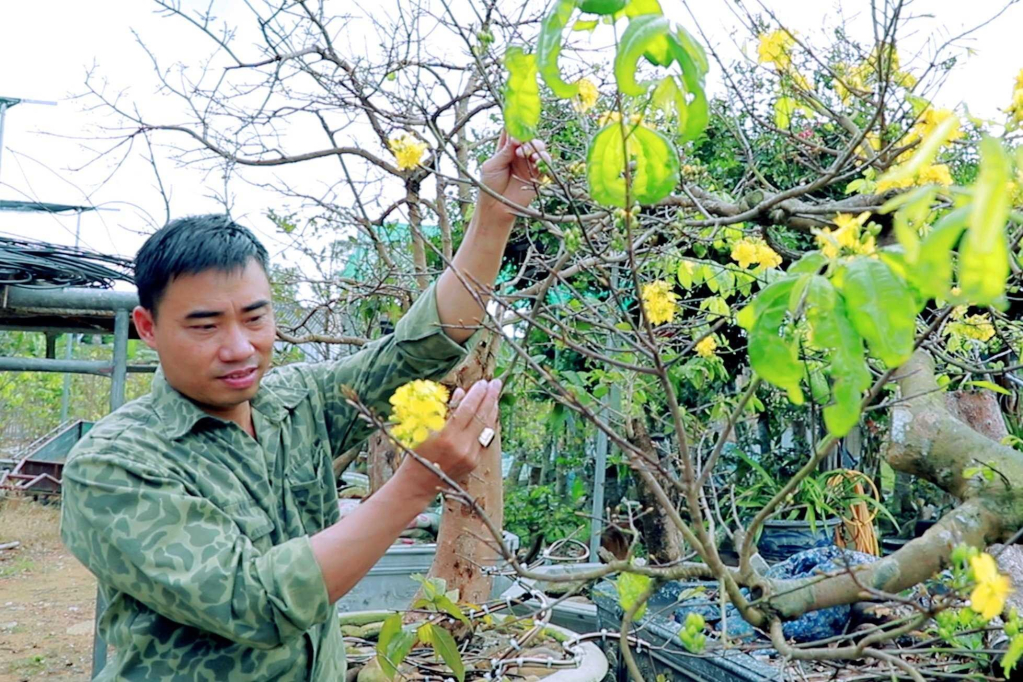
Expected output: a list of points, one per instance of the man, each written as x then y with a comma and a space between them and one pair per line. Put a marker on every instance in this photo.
208, 509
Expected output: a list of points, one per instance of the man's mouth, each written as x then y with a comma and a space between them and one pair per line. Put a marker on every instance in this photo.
242, 378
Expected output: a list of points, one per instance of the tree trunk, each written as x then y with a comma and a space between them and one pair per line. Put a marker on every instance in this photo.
661, 537
927, 441
464, 544
979, 410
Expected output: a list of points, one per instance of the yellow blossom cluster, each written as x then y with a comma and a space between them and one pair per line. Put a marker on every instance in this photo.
776, 48
930, 119
932, 174
659, 302
587, 97
706, 347
1015, 109
408, 150
976, 327
420, 407
755, 251
847, 238
992, 588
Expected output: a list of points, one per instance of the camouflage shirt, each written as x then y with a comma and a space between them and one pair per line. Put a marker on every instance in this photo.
199, 534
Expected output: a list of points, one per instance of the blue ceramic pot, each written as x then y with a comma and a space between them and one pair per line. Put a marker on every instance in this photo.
781, 539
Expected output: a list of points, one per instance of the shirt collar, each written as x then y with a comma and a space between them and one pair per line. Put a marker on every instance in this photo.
178, 415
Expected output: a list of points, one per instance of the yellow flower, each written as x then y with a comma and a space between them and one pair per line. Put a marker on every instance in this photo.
886, 185
767, 257
587, 96
775, 48
851, 78
659, 304
826, 241
420, 407
747, 252
977, 327
847, 236
988, 597
744, 253
935, 174
1019, 80
407, 150
706, 348
931, 119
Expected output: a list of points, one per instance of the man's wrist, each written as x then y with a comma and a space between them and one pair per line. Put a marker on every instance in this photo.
414, 482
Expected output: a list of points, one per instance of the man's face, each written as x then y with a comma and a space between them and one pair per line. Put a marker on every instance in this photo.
214, 333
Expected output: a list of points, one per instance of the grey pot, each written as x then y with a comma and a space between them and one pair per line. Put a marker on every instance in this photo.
781, 539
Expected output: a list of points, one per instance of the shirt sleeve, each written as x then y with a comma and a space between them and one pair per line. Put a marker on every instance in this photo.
140, 532
418, 348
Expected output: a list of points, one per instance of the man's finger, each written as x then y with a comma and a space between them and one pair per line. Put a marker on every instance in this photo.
488, 406
456, 398
470, 404
491, 417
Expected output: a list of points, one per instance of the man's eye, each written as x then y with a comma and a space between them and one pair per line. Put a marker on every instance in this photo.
257, 318
203, 327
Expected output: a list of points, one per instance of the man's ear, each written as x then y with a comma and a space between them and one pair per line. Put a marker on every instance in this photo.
145, 325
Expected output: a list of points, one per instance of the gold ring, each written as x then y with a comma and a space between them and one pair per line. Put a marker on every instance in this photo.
487, 437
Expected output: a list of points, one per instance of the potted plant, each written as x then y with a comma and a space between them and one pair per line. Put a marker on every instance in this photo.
814, 513
441, 636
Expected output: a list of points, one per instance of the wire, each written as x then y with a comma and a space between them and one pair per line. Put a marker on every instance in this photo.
42, 265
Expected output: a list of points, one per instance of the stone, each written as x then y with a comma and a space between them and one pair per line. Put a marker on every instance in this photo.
86, 627
1010, 562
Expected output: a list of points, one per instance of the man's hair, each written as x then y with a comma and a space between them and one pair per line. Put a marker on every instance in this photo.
188, 246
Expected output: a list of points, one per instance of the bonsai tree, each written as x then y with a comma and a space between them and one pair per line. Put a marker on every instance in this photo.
821, 242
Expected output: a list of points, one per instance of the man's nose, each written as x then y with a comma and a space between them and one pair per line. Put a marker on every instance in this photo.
236, 345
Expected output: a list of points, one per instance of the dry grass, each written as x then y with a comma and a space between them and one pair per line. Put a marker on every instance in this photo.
35, 525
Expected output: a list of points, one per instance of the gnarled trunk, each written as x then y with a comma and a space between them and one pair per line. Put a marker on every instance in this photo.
928, 441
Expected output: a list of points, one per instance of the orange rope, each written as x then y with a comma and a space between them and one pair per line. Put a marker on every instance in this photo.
861, 526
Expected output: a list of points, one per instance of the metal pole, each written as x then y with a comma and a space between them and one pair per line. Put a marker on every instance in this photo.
120, 360
70, 298
3, 116
99, 645
611, 399
99, 367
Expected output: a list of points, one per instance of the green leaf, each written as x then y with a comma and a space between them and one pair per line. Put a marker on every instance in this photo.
521, 95
641, 34
548, 48
585, 25
881, 308
784, 108
656, 171
444, 644
931, 274
671, 99
393, 645
630, 588
989, 385
1012, 654
445, 604
602, 6
685, 273
831, 329
638, 8
925, 152
690, 57
984, 255
913, 209
809, 264
694, 50
774, 356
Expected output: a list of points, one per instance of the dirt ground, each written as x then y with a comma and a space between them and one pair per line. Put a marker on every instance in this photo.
47, 599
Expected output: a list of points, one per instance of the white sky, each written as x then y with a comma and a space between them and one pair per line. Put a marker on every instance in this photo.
46, 47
